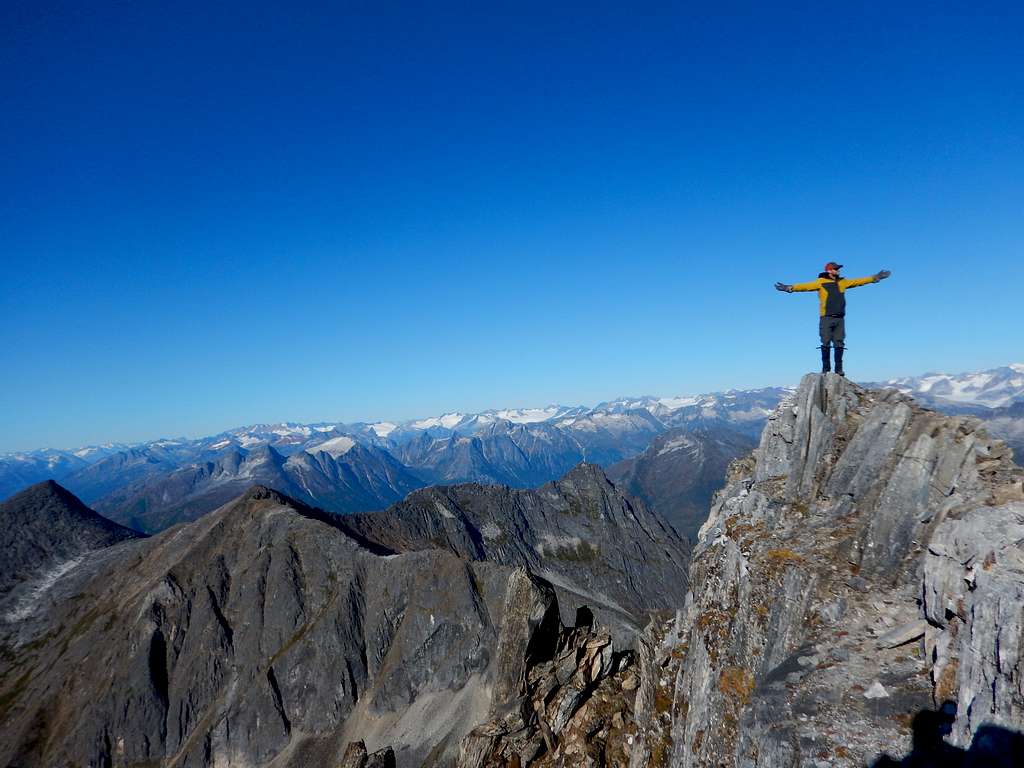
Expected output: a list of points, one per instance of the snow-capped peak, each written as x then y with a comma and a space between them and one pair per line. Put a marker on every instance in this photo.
383, 428
446, 421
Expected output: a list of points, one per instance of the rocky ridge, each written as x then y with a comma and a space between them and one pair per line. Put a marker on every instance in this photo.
864, 565
599, 548
265, 633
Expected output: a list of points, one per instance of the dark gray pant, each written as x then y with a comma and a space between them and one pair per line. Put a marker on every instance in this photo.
832, 331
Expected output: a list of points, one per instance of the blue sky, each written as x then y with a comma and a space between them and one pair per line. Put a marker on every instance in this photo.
220, 214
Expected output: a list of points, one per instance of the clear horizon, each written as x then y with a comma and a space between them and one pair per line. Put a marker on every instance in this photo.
463, 411
244, 214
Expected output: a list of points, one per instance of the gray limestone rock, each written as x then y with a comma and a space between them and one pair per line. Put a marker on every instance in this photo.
864, 523
903, 634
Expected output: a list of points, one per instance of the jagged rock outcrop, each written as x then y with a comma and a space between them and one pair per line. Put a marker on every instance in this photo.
599, 548
263, 634
863, 566
572, 705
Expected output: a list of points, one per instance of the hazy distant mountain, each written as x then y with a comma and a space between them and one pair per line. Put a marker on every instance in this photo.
678, 474
745, 409
124, 467
359, 478
20, 470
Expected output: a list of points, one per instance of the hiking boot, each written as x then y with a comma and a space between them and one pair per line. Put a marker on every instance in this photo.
826, 366
839, 361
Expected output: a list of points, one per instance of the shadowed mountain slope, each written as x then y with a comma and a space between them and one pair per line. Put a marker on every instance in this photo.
360, 479
44, 528
596, 546
681, 470
263, 634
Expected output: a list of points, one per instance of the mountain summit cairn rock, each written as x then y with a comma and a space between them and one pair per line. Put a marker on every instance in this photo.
867, 545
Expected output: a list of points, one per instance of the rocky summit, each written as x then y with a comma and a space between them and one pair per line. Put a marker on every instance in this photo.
854, 595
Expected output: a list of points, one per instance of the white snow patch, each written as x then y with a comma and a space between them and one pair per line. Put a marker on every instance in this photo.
527, 415
447, 421
383, 428
27, 604
674, 403
337, 446
675, 445
445, 512
491, 531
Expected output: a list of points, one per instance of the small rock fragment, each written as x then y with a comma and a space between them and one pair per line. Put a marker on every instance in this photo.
876, 691
903, 634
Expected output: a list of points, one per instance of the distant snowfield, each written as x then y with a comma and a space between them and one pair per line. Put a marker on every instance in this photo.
337, 446
993, 388
383, 428
529, 415
447, 421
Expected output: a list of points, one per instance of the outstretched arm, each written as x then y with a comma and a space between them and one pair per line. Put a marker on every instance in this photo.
854, 282
812, 286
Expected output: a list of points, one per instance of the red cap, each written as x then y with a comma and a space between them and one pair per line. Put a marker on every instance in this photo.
832, 265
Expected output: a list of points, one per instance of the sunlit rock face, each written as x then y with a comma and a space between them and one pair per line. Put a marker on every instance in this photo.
865, 564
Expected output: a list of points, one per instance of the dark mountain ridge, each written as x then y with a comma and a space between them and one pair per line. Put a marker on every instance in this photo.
597, 547
44, 527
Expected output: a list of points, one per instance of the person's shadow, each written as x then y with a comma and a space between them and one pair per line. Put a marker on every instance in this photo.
992, 747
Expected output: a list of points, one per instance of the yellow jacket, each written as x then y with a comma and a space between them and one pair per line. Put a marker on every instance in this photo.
830, 292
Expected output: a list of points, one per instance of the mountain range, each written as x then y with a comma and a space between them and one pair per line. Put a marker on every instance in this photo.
852, 598
345, 468
271, 631
359, 467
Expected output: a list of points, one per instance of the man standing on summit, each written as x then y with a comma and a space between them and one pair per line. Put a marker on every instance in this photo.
831, 290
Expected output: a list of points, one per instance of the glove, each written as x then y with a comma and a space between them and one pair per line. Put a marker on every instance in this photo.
786, 288
882, 275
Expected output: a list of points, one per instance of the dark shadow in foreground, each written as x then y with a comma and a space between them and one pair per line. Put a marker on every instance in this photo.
993, 746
